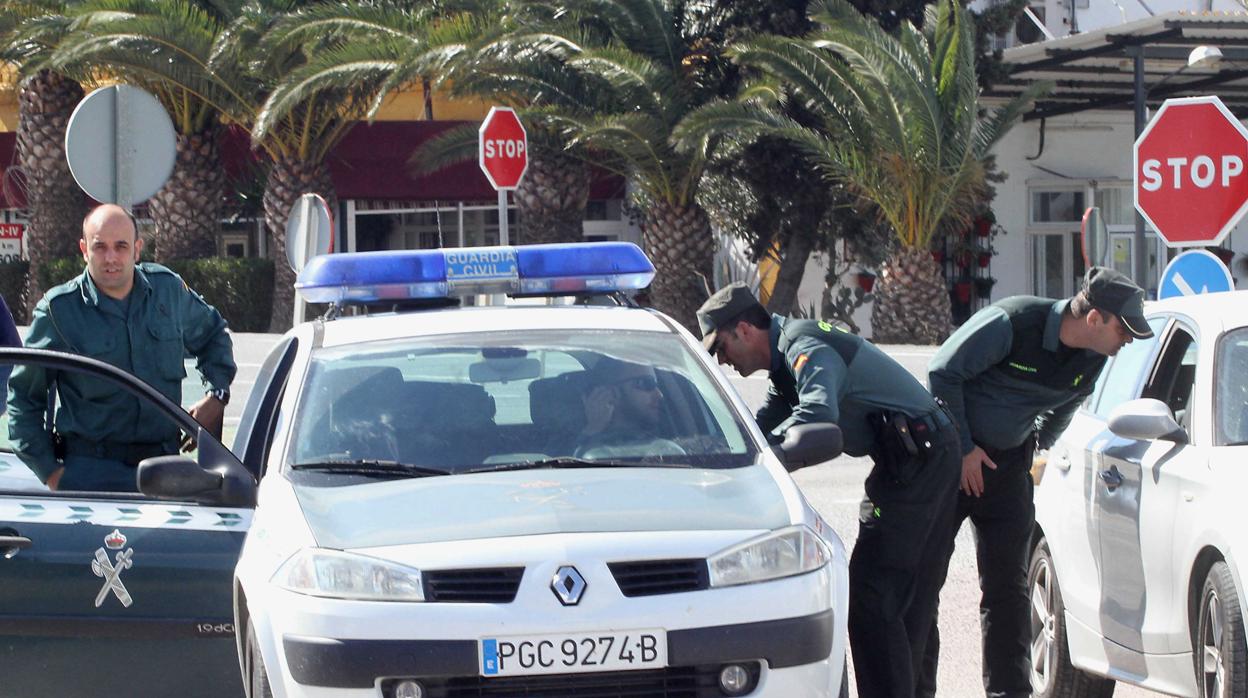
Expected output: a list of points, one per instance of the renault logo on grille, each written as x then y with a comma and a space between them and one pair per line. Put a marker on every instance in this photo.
568, 585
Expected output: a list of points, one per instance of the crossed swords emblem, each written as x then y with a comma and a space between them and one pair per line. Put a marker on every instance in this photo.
111, 572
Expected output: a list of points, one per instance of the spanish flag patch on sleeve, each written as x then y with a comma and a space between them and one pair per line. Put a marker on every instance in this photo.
799, 363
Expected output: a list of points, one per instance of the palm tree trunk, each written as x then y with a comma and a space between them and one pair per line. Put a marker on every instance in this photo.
56, 204
911, 301
187, 209
288, 180
678, 239
551, 199
789, 276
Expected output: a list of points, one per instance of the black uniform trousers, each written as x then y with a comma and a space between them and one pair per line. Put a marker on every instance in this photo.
1003, 519
893, 584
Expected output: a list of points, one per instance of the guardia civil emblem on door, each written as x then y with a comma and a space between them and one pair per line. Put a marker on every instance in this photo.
110, 569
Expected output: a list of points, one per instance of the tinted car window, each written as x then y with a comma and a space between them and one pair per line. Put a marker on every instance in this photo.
1120, 382
1231, 408
468, 401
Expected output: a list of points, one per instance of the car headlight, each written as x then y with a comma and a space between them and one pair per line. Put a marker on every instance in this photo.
338, 575
782, 553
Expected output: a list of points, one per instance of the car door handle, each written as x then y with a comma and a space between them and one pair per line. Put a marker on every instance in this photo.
9, 545
1112, 478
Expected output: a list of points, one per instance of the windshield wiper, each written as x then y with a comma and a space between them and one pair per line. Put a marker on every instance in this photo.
383, 468
555, 463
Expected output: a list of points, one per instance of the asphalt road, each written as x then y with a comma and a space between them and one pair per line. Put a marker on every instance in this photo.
834, 488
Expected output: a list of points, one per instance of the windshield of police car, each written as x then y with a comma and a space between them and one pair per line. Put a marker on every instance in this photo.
489, 400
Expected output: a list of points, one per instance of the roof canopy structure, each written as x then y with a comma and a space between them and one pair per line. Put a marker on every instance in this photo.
1096, 70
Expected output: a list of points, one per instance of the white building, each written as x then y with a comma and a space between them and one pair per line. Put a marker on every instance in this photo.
1074, 148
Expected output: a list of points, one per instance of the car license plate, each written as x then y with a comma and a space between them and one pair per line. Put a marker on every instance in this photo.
568, 654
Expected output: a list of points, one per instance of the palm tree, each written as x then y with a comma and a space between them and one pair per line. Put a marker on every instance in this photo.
46, 99
898, 121
428, 45
187, 210
234, 74
615, 77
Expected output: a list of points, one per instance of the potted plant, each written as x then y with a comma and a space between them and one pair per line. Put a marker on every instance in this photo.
962, 292
866, 280
983, 286
984, 258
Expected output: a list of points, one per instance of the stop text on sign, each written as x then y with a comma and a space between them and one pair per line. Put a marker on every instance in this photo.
500, 148
1202, 171
1190, 173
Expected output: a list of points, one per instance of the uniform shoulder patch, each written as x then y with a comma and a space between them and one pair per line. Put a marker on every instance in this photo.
799, 362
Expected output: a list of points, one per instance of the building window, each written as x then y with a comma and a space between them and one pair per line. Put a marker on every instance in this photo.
1056, 206
1056, 239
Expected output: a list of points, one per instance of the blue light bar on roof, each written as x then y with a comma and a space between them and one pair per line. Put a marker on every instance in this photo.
367, 277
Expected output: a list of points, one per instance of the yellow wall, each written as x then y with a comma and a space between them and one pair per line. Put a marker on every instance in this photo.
8, 98
402, 106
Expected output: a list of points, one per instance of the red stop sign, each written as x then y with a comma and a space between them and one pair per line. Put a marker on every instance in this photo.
1191, 181
503, 147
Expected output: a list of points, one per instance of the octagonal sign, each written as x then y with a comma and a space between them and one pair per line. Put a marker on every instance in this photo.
503, 148
1190, 178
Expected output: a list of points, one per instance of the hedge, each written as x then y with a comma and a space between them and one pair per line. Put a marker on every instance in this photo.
241, 289
12, 286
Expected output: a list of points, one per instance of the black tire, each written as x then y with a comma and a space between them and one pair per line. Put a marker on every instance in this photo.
256, 677
1052, 674
1219, 653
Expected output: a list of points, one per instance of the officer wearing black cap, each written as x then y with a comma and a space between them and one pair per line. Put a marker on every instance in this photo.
1013, 376
820, 373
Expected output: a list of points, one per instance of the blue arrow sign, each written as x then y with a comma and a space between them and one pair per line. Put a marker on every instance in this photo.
1195, 272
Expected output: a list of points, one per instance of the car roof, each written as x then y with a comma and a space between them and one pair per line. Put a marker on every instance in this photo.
1226, 310
352, 330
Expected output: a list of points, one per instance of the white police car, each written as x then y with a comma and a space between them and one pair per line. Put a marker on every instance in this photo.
542, 500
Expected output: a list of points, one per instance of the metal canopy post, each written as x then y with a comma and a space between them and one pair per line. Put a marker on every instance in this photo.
1140, 258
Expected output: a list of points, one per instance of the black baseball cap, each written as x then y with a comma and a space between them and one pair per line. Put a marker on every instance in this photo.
1113, 292
721, 308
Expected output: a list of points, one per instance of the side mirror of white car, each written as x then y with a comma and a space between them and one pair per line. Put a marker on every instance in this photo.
1146, 419
808, 444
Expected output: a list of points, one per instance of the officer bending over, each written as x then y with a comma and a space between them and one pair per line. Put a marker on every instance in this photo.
823, 374
138, 317
1013, 376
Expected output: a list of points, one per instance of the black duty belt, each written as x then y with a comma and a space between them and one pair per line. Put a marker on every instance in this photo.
128, 453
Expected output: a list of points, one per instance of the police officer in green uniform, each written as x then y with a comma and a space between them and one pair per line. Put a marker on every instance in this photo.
823, 374
1013, 376
139, 317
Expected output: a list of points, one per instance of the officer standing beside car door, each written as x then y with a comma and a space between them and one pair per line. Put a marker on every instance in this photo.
820, 373
1013, 376
141, 318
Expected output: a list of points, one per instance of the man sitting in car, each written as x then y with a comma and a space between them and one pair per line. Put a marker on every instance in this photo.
622, 405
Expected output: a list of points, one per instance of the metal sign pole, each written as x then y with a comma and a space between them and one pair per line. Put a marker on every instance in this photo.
503, 237
304, 208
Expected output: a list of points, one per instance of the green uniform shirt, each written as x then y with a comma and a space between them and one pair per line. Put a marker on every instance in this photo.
148, 334
1003, 380
820, 373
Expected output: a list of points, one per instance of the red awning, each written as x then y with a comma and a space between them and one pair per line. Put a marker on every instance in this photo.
370, 163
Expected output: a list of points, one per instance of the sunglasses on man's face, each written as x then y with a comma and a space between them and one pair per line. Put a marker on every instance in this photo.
642, 383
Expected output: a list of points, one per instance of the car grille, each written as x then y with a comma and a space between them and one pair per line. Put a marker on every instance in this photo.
673, 682
653, 577
488, 585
